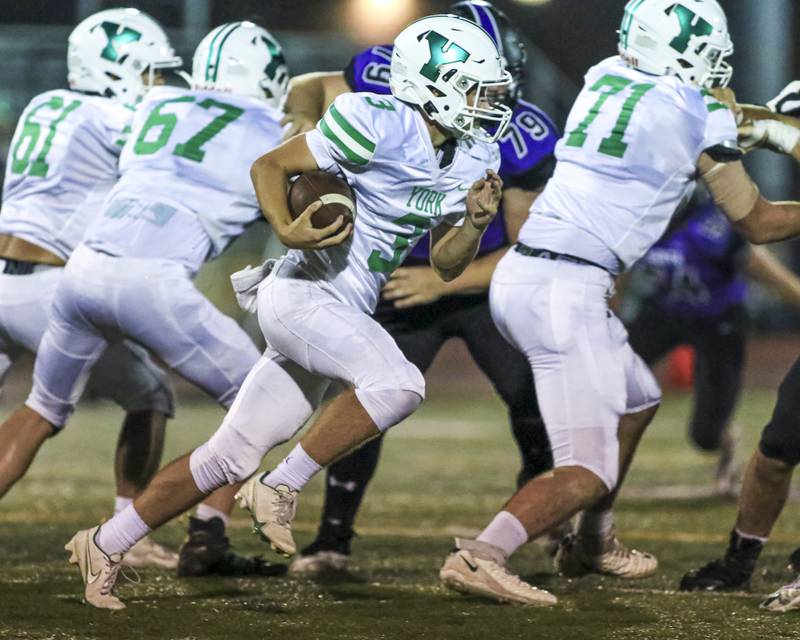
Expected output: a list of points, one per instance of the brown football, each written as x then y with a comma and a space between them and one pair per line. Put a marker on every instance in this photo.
335, 193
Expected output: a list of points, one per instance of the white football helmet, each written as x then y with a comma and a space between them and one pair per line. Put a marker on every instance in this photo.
110, 50
687, 39
242, 58
451, 68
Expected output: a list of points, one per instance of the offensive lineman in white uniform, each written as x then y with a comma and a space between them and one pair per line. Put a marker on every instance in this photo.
643, 129
182, 196
416, 160
62, 164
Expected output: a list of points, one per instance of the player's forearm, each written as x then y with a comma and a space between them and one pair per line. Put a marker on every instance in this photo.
770, 221
270, 175
477, 277
769, 271
453, 254
270, 181
306, 95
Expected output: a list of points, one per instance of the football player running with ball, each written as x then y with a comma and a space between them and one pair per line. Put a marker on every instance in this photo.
418, 309
642, 130
179, 202
418, 160
62, 163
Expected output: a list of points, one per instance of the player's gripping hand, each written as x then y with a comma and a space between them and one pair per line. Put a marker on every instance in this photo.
412, 286
301, 234
483, 200
297, 122
727, 97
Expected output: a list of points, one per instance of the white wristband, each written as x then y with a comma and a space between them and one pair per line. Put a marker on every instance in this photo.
781, 136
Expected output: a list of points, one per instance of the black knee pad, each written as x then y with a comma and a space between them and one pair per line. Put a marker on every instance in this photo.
780, 439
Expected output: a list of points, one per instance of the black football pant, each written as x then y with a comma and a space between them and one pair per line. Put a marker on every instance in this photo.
420, 333
781, 437
719, 345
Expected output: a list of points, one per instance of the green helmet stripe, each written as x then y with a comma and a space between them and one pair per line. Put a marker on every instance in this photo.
220, 31
211, 50
219, 49
626, 23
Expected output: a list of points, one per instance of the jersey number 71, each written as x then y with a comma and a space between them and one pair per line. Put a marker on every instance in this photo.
610, 85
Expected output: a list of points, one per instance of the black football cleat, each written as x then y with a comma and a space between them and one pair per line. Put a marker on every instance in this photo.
794, 560
207, 551
731, 573
326, 555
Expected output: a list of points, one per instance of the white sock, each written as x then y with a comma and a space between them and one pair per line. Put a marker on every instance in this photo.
205, 513
596, 525
120, 503
750, 536
505, 532
295, 470
123, 531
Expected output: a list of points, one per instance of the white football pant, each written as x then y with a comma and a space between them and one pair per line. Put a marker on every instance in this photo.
312, 338
104, 299
587, 376
125, 373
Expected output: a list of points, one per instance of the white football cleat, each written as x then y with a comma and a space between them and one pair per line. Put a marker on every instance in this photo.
147, 553
272, 509
727, 475
319, 562
478, 568
787, 598
99, 571
574, 560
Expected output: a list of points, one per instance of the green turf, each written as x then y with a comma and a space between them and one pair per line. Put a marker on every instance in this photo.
448, 469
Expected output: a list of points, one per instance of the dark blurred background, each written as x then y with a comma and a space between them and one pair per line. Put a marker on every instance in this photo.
565, 38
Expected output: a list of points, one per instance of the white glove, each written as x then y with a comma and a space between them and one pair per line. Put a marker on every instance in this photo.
787, 102
245, 284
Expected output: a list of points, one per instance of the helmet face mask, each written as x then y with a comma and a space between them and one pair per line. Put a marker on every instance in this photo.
482, 113
671, 37
118, 53
241, 58
452, 70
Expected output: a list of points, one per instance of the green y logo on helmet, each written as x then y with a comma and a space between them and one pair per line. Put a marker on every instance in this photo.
276, 54
686, 16
439, 55
116, 37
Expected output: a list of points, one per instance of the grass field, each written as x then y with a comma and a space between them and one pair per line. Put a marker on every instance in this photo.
446, 471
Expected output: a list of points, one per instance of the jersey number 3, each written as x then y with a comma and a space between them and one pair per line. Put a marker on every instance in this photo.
192, 149
610, 85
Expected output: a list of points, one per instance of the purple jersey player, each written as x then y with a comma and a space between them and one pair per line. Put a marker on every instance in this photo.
697, 270
690, 289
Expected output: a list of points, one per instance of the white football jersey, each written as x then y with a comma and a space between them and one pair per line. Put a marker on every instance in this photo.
61, 165
626, 162
382, 147
184, 190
